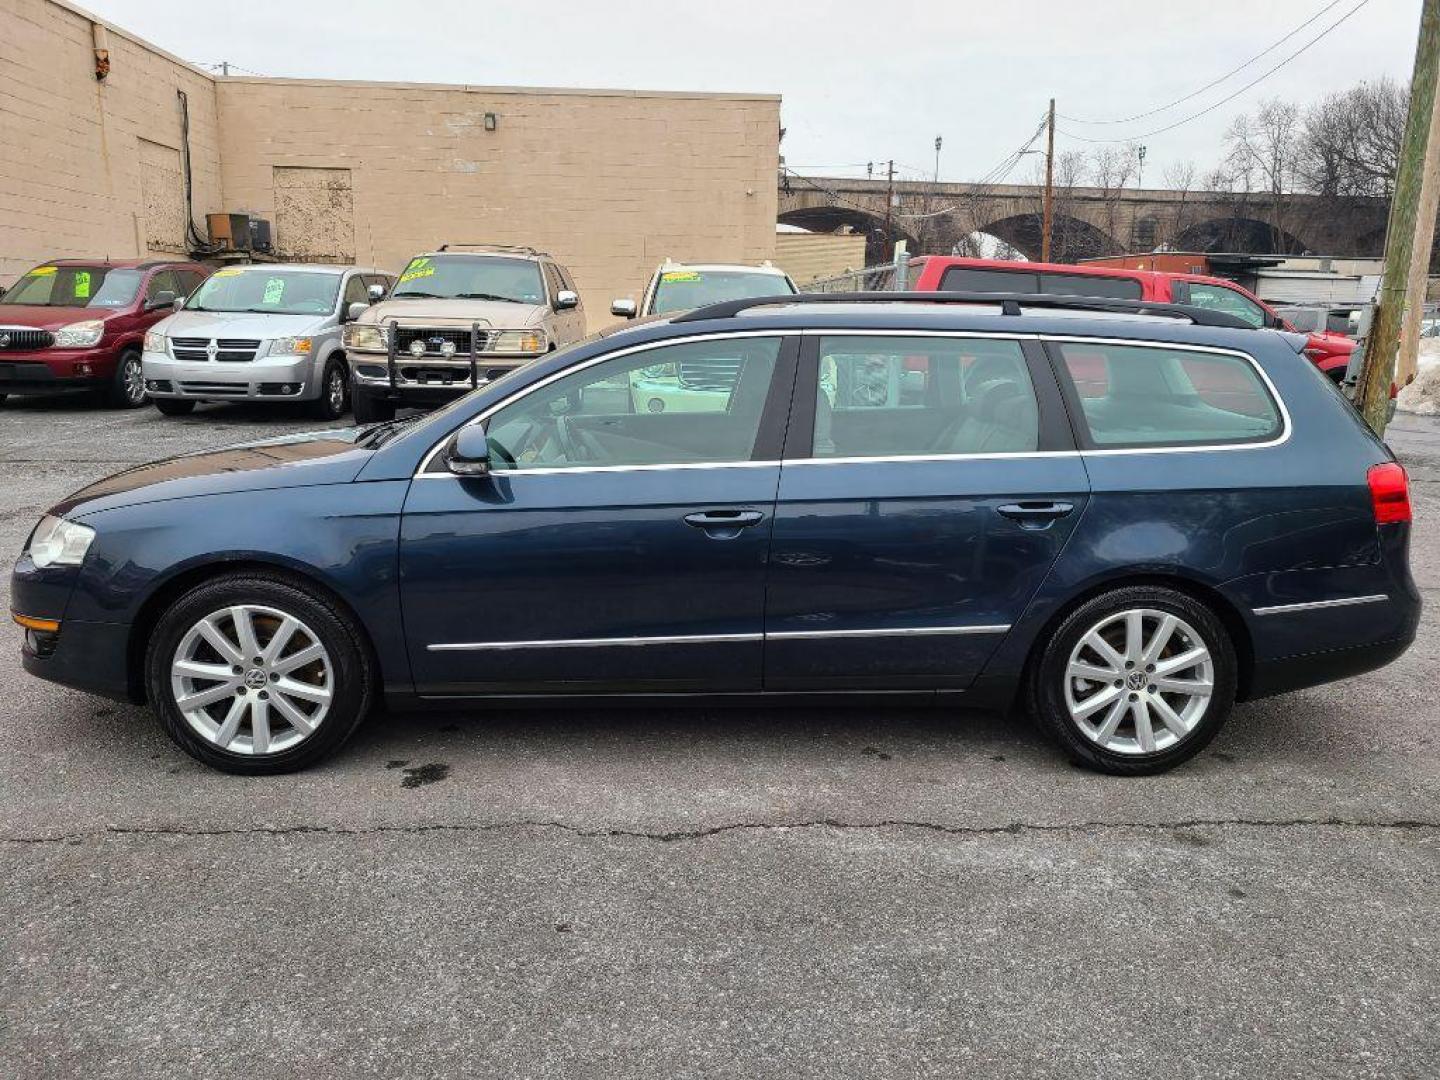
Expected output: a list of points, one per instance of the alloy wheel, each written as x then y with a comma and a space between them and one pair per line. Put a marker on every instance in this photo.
252, 680
335, 392
1139, 681
133, 379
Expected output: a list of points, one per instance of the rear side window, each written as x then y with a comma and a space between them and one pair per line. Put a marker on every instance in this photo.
1084, 285
1134, 396
982, 279
917, 396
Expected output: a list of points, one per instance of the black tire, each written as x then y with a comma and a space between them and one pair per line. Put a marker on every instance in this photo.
353, 688
368, 409
174, 406
2, 398
127, 386
1047, 683
332, 402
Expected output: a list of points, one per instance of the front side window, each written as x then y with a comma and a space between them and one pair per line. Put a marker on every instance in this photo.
471, 277
680, 290
76, 286
693, 403
1139, 396
356, 292
164, 281
1219, 298
918, 396
267, 291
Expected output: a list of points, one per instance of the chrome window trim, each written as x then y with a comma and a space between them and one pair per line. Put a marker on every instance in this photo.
705, 639
1286, 426
420, 471
1320, 605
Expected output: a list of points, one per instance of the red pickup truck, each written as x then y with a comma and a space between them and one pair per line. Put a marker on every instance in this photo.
934, 273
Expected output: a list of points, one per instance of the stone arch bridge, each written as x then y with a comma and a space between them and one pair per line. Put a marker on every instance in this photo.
1088, 221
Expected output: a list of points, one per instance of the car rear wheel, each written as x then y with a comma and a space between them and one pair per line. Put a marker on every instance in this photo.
174, 406
1135, 681
127, 385
334, 393
257, 675
370, 410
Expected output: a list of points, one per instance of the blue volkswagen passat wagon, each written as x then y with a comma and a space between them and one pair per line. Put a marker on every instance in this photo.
1126, 517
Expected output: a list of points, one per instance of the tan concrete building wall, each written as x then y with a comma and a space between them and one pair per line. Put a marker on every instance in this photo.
610, 182
91, 168
810, 256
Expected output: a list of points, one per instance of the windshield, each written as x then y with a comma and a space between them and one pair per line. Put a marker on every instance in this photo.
682, 289
75, 286
461, 277
267, 291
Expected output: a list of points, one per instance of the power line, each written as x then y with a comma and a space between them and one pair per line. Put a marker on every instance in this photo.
1225, 100
1211, 85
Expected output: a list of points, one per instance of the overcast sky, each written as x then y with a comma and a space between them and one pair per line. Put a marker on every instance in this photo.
861, 80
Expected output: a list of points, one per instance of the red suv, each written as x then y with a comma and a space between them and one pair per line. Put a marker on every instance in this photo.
1330, 352
79, 324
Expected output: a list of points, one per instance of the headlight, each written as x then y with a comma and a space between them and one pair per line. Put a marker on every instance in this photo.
80, 335
518, 341
658, 371
154, 341
291, 346
365, 337
57, 542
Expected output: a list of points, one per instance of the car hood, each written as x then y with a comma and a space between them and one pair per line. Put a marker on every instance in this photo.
238, 324
320, 457
498, 313
50, 318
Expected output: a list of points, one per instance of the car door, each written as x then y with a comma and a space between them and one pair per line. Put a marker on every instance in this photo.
570, 322
1231, 301
928, 483
610, 547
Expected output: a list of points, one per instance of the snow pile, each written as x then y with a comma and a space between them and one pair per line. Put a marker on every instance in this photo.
1423, 395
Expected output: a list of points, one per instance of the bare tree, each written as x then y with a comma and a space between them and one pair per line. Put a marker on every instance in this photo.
1351, 140
1264, 153
1180, 178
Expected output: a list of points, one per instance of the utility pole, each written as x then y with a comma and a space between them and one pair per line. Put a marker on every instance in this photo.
1407, 363
889, 200
1372, 395
938, 141
1048, 218
225, 68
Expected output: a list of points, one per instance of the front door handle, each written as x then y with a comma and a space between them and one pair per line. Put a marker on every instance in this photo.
724, 524
1035, 515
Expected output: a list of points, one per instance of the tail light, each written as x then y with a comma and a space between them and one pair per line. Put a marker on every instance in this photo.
1389, 493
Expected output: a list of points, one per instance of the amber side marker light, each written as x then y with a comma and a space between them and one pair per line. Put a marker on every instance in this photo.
45, 626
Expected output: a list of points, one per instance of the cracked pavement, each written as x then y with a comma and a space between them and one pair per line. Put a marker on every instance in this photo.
688, 892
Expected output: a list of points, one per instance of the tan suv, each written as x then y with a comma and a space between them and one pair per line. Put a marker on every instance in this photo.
455, 320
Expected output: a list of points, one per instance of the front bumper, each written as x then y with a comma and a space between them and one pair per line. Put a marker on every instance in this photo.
89, 656
428, 375
53, 371
269, 379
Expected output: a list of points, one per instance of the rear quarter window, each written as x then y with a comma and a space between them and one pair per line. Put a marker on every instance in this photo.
1138, 396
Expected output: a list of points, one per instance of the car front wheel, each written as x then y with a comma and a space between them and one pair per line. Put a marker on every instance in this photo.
256, 674
1136, 680
330, 405
370, 410
127, 386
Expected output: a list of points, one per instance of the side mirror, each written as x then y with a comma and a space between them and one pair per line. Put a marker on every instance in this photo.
355, 310
468, 453
179, 304
565, 300
626, 309
164, 298
377, 292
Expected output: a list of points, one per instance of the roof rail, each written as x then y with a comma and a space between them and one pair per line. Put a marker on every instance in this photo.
1010, 304
522, 249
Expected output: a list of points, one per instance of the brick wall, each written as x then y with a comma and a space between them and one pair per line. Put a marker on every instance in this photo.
610, 182
71, 176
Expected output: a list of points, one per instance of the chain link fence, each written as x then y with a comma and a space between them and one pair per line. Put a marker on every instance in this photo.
880, 278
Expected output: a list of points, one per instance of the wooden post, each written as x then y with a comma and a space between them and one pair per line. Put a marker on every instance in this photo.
889, 201
1378, 373
1048, 217
1407, 363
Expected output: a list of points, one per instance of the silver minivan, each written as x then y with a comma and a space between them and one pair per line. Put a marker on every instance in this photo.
263, 332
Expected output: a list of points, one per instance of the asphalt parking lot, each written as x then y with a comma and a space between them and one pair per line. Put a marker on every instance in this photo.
695, 892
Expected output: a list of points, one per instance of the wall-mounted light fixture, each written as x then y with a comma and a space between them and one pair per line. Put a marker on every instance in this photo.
492, 120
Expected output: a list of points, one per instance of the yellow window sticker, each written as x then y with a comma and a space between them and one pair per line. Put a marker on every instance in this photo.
82, 284
679, 275
274, 290
418, 268
43, 271
229, 271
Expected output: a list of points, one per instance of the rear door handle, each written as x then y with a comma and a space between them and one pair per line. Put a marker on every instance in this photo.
1035, 515
724, 524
